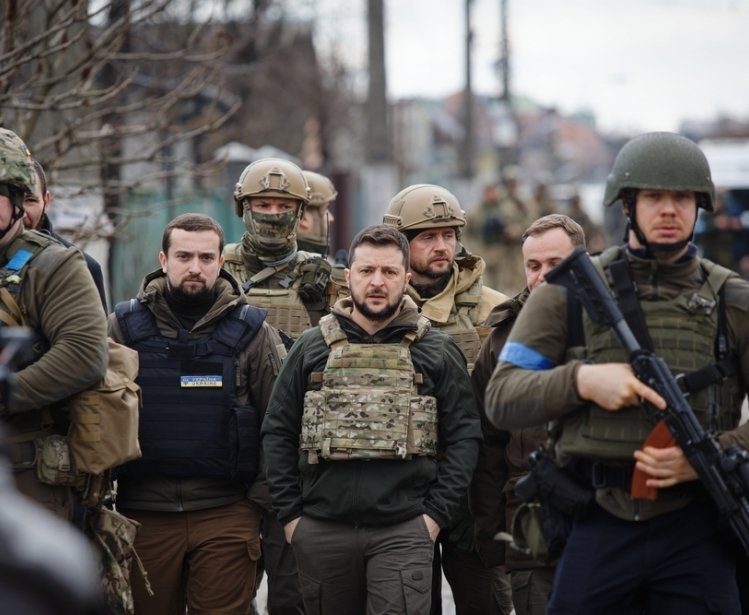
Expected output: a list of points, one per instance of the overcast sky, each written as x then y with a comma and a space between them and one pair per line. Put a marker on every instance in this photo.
638, 65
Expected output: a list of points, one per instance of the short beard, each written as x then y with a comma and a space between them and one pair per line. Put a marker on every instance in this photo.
384, 314
198, 296
434, 275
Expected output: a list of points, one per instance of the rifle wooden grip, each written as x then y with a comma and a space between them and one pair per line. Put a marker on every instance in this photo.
659, 437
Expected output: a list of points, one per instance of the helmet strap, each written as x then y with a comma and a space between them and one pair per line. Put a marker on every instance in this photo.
650, 246
15, 195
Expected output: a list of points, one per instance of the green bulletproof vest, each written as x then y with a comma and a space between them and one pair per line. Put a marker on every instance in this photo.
683, 330
368, 406
284, 305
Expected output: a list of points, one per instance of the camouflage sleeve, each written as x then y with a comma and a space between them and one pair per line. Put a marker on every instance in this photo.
459, 431
532, 384
64, 306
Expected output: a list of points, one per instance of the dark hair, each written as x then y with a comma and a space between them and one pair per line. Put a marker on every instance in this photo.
40, 174
546, 223
192, 223
380, 235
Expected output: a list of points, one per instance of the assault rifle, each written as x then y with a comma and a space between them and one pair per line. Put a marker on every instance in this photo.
724, 473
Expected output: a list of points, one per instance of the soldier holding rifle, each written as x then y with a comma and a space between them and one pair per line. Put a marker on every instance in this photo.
659, 549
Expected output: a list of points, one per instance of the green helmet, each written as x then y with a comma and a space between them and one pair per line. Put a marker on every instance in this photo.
274, 177
321, 189
661, 161
15, 162
424, 206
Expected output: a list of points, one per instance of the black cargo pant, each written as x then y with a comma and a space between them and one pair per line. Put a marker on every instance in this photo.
374, 570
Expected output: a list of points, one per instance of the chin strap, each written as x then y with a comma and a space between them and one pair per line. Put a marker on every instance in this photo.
15, 195
650, 246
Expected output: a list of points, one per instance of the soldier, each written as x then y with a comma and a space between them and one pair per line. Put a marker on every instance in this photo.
365, 497
207, 364
662, 555
447, 286
503, 456
291, 285
313, 233
35, 218
46, 287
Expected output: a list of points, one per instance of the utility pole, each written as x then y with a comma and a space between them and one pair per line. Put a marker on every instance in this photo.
378, 176
468, 147
378, 136
507, 144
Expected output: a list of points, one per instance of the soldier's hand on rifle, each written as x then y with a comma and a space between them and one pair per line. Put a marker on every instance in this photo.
613, 386
667, 466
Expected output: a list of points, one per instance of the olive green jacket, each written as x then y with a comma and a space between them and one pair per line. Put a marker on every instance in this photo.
518, 397
60, 303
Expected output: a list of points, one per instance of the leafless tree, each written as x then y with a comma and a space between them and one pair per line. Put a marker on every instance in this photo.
108, 93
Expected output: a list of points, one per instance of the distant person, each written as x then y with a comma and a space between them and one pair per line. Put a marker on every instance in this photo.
313, 232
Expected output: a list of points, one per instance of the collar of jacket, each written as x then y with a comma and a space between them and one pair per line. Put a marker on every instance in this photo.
228, 295
507, 309
438, 308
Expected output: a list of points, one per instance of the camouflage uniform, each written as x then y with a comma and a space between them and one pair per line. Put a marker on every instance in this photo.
292, 287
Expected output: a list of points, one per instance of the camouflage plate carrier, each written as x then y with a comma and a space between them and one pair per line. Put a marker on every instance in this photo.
368, 406
285, 304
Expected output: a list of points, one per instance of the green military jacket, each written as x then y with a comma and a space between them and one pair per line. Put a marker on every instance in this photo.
59, 302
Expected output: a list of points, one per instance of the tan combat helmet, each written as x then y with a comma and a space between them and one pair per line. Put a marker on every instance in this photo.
271, 236
322, 194
423, 206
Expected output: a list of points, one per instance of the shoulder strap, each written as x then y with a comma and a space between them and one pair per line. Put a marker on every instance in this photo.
136, 321
237, 328
625, 289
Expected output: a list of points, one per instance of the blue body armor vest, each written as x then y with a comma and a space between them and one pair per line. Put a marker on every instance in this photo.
192, 423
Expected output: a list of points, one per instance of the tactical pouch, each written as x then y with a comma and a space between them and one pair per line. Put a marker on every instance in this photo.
553, 498
54, 463
315, 273
104, 418
244, 442
113, 536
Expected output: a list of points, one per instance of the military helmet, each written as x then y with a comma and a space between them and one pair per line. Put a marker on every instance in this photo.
321, 189
424, 206
660, 161
15, 162
273, 177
